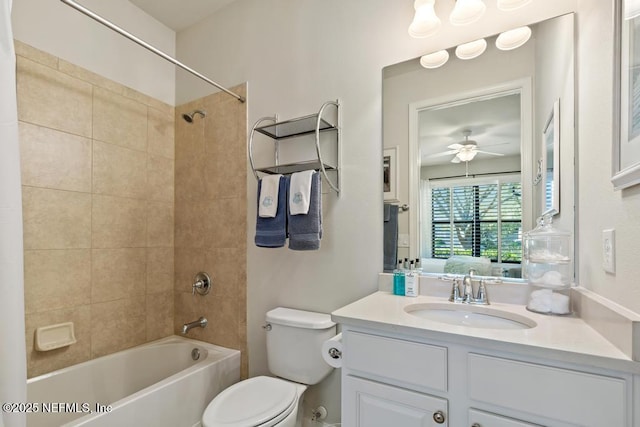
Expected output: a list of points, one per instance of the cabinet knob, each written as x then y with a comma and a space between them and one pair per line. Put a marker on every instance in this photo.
438, 417
476, 425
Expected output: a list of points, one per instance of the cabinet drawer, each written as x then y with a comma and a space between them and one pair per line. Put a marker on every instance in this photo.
371, 404
411, 363
554, 393
486, 419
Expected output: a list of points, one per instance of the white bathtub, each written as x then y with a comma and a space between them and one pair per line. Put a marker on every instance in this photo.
157, 384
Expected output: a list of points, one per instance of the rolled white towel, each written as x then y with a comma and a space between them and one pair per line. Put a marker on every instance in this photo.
540, 301
559, 304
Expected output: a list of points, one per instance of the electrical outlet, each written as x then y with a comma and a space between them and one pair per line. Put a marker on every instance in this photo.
609, 250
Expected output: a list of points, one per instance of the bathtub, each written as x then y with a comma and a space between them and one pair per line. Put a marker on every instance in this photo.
155, 384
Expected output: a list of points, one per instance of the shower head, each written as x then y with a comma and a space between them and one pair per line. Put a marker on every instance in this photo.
188, 117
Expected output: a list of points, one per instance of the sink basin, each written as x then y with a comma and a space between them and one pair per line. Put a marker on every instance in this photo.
472, 316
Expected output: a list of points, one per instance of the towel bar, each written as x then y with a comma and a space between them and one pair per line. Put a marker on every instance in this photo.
307, 125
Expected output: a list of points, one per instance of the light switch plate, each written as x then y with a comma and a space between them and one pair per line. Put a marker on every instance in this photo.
609, 250
403, 240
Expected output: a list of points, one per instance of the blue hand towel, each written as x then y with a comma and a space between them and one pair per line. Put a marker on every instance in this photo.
272, 232
305, 231
390, 242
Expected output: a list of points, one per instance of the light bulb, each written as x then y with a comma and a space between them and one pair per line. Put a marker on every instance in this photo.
467, 11
435, 60
425, 21
513, 39
471, 50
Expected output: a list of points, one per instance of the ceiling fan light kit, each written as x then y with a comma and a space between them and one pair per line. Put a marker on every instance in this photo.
465, 151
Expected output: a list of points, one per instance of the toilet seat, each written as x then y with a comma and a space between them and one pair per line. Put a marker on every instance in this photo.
256, 402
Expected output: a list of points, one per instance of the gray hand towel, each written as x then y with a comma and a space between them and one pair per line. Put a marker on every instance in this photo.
390, 243
305, 231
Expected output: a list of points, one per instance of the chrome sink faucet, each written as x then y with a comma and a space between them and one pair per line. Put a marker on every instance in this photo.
467, 297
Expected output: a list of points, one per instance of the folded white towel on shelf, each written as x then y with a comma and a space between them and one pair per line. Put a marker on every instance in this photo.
300, 192
269, 196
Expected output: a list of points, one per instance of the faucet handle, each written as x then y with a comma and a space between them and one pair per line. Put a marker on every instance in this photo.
201, 284
455, 291
482, 297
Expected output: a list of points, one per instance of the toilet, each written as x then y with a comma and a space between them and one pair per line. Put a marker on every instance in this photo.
294, 342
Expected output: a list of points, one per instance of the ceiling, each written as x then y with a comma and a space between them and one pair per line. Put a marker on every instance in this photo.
180, 14
494, 124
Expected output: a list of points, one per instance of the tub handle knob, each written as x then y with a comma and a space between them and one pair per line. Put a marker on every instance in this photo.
201, 284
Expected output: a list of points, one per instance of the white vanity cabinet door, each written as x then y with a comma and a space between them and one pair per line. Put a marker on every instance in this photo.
574, 397
371, 404
485, 419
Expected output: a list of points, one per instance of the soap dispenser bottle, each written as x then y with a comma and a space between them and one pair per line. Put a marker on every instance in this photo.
411, 282
398, 279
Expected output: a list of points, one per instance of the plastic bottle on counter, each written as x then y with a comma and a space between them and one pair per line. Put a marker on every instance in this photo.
418, 266
399, 279
412, 282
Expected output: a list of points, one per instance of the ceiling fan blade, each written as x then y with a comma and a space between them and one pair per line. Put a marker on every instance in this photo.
455, 146
456, 159
446, 153
495, 145
490, 153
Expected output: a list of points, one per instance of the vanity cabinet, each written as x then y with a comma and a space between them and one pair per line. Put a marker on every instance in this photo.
394, 380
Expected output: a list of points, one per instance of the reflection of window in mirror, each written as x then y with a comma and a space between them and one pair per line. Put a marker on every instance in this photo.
475, 217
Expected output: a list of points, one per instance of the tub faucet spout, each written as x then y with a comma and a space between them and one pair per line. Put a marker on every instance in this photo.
201, 322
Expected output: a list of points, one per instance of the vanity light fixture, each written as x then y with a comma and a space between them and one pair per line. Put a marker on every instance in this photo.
513, 39
435, 60
510, 5
472, 49
425, 21
467, 11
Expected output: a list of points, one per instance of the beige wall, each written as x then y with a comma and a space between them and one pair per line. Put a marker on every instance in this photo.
211, 219
58, 29
98, 205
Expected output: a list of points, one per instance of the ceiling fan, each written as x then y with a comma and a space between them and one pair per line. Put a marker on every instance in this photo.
465, 151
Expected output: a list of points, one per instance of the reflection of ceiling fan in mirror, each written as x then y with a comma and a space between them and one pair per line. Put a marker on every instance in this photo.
465, 151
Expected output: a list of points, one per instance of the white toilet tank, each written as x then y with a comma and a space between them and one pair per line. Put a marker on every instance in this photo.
294, 344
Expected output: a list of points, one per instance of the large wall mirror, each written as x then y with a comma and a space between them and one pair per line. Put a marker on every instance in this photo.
484, 146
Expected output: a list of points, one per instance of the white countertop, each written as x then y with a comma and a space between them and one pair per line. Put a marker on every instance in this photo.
563, 338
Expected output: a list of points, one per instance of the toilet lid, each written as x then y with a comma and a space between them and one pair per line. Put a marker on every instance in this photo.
251, 402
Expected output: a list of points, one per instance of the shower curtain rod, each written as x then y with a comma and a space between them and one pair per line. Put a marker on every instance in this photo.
147, 46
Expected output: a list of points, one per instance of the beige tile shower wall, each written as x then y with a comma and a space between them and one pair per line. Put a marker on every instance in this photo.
98, 202
210, 226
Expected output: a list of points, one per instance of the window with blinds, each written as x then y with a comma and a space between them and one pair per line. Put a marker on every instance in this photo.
477, 220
